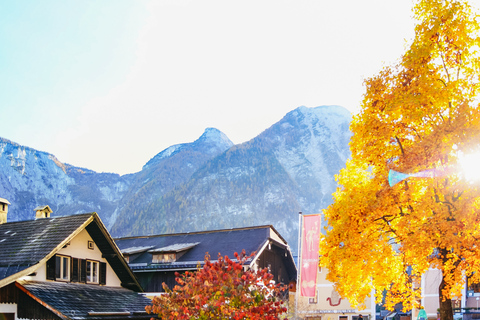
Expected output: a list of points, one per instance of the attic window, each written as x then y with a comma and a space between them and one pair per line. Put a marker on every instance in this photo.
62, 268
163, 257
92, 271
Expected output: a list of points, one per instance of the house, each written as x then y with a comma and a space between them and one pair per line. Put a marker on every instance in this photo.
65, 268
155, 259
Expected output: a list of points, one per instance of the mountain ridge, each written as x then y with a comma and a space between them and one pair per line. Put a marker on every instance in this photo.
209, 183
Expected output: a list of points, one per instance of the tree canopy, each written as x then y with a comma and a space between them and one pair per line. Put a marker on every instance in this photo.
419, 115
221, 290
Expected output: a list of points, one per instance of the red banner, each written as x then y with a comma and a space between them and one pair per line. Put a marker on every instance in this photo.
309, 264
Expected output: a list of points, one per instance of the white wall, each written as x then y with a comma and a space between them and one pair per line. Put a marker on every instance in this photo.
78, 248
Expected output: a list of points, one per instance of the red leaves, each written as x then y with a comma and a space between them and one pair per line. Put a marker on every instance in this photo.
221, 290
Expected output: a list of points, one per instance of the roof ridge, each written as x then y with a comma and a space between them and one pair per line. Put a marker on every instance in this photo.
197, 232
49, 218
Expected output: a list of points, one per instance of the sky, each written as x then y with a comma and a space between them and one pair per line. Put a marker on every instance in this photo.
106, 85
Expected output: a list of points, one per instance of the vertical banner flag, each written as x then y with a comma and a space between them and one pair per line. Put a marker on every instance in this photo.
309, 264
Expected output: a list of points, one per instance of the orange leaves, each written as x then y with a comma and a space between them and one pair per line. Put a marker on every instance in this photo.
222, 290
416, 115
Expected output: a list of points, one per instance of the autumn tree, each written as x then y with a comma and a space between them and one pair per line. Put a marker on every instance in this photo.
418, 116
221, 290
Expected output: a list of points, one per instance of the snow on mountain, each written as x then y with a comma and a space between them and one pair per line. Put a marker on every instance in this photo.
206, 184
288, 168
211, 141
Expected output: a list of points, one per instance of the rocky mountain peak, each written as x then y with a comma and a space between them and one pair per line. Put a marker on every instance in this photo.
216, 137
212, 141
205, 184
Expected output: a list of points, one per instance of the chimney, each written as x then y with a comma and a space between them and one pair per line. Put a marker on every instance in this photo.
3, 210
42, 212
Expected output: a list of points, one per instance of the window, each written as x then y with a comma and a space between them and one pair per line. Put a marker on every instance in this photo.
92, 271
473, 288
163, 257
62, 268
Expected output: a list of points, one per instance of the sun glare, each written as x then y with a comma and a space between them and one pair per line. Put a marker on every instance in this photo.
470, 166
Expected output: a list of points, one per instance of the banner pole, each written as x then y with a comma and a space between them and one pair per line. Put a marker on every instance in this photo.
299, 259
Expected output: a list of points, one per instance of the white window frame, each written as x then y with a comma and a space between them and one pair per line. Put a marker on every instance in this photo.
64, 268
93, 271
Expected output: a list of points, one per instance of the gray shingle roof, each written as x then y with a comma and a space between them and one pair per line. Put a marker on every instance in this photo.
25, 243
225, 242
77, 301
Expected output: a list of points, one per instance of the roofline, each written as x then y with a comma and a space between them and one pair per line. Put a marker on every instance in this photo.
204, 232
93, 217
31, 269
110, 240
35, 298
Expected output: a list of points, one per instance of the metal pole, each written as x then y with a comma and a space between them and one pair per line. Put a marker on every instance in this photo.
299, 259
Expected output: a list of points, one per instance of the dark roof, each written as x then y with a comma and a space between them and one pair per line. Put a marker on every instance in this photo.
81, 301
225, 242
25, 244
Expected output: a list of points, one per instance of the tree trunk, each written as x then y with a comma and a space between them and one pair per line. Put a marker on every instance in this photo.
446, 310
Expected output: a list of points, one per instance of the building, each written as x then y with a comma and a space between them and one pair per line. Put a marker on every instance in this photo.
155, 259
467, 306
65, 268
328, 305
316, 298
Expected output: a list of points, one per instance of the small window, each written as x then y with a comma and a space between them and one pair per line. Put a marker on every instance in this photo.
62, 268
163, 257
92, 271
90, 245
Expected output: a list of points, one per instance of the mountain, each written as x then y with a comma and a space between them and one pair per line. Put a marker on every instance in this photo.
288, 168
170, 168
207, 184
29, 178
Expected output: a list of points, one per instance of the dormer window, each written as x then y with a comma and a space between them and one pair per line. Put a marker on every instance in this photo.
130, 254
163, 257
170, 253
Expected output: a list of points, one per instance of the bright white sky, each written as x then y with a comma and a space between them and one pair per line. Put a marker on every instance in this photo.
108, 84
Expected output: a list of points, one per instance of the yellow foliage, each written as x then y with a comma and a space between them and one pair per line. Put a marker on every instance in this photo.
416, 115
